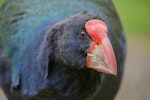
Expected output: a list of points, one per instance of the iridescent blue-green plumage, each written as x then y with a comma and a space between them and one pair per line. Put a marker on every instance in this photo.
23, 24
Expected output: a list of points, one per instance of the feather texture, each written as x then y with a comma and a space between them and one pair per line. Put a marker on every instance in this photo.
23, 27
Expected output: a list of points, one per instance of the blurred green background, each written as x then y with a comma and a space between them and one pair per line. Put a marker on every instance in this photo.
135, 17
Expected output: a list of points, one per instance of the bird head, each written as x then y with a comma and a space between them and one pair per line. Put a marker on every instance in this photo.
81, 41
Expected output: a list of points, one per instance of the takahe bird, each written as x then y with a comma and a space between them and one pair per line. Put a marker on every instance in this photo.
60, 49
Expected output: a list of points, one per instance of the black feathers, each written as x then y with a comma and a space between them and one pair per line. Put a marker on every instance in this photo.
45, 50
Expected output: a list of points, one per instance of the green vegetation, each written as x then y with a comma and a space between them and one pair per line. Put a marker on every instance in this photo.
1, 1
135, 15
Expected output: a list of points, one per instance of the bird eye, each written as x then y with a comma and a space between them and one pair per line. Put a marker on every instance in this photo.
82, 35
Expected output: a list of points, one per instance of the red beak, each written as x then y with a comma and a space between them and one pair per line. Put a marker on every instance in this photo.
100, 55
